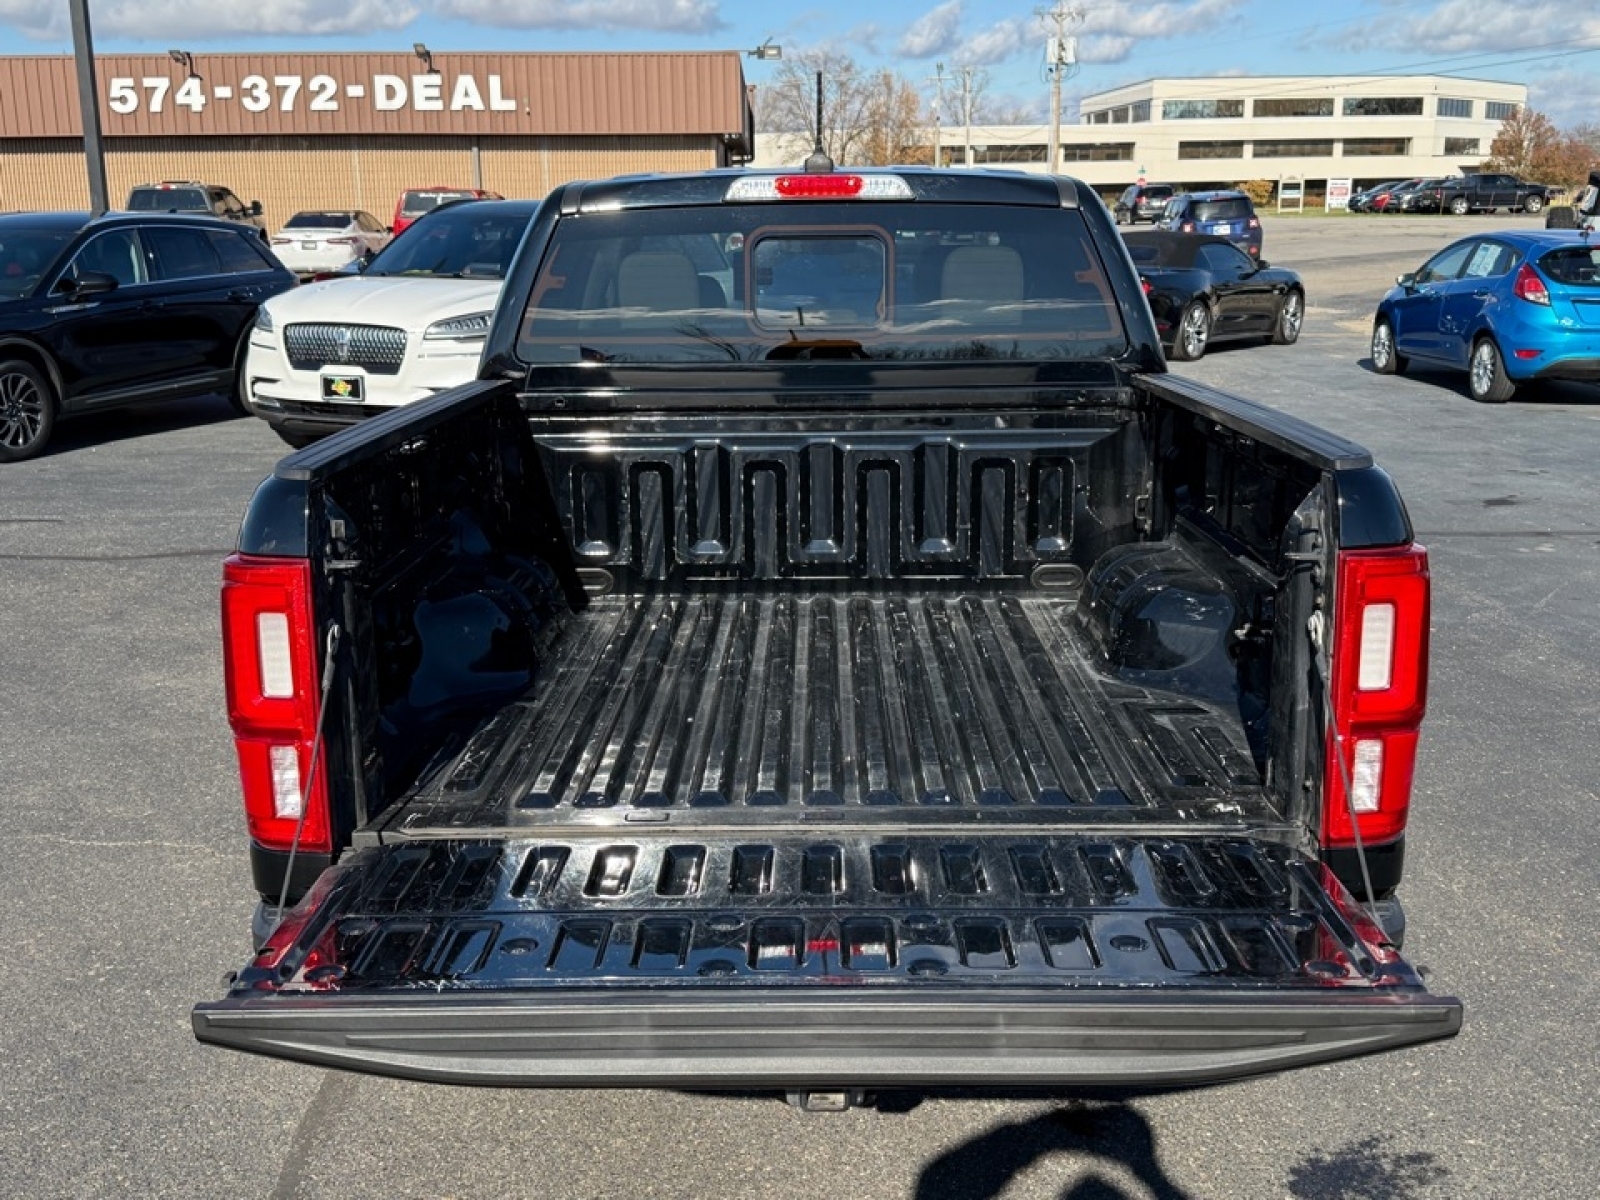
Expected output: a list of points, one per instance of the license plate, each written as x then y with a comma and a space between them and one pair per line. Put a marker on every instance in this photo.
1224, 229
308, 245
344, 389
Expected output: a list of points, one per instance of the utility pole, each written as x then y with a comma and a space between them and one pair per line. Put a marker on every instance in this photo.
938, 109
966, 113
1061, 58
89, 103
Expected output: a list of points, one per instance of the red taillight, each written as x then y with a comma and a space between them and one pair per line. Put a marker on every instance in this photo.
1528, 286
1380, 691
270, 665
1253, 223
342, 241
1186, 227
1145, 284
813, 187
280, 241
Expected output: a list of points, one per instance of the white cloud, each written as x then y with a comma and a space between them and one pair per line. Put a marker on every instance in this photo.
1002, 40
162, 20
933, 33
659, 16
1469, 27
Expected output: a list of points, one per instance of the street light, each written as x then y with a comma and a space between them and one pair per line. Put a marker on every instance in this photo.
425, 55
185, 60
766, 50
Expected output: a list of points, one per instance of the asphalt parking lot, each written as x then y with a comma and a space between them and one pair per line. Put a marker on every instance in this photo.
124, 887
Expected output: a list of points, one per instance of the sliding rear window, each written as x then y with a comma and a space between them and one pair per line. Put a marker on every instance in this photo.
1575, 266
746, 283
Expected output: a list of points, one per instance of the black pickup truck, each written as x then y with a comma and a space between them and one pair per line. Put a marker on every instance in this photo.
1485, 193
825, 651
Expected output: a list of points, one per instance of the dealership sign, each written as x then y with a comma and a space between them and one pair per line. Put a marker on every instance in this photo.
127, 95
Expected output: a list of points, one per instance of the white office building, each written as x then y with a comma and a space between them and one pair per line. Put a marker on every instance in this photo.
1222, 130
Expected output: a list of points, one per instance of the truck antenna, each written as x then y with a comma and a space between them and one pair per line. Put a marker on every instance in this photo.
819, 163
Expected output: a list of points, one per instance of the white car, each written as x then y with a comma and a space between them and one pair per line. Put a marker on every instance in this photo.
323, 240
413, 323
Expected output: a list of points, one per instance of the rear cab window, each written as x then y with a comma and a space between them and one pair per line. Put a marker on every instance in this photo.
756, 283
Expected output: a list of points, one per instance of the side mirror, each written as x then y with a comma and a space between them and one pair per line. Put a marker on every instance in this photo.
1407, 281
89, 283
255, 208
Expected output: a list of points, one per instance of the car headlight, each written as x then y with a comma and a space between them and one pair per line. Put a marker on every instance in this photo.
263, 320
471, 328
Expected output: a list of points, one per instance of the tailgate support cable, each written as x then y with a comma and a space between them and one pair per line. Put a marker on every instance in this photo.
311, 771
1316, 626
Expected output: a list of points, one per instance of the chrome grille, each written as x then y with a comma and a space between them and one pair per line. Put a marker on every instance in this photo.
377, 349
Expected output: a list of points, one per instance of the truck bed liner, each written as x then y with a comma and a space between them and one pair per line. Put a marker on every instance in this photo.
905, 705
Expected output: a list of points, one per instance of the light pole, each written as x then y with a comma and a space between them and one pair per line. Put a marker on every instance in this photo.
89, 104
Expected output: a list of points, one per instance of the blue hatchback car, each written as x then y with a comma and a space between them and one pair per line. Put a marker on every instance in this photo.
1507, 308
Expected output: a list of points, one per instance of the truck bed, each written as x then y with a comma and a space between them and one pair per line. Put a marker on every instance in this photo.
917, 705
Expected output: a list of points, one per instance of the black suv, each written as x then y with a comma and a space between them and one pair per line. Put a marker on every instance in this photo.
100, 312
1142, 202
210, 199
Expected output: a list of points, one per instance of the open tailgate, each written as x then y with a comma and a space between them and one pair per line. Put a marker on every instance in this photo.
805, 961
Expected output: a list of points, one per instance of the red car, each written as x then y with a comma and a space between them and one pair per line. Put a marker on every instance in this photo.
414, 202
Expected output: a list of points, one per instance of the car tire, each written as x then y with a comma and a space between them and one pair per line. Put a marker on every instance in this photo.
1194, 331
238, 394
1121, 218
1487, 380
1386, 360
1291, 315
1560, 216
27, 410
1533, 205
1460, 207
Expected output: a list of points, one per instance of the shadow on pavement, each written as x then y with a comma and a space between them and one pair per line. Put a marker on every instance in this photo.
1115, 1134
1367, 1170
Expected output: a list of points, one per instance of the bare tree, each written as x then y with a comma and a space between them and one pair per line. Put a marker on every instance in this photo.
869, 118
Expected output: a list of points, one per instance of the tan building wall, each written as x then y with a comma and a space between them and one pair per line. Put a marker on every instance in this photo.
289, 173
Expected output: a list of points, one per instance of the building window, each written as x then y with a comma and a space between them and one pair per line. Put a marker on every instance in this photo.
1098, 152
1119, 116
1200, 110
1009, 154
1139, 111
1454, 108
1358, 147
1291, 148
1103, 117
1499, 110
1383, 106
1210, 149
1466, 147
1304, 106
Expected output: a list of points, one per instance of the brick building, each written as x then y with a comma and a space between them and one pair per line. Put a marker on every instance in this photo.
301, 131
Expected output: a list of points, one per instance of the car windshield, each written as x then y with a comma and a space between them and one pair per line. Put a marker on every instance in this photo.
1576, 266
167, 199
414, 204
26, 255
1229, 208
464, 241
319, 220
742, 283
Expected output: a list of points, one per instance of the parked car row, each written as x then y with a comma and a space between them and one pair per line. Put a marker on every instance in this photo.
137, 306
1455, 194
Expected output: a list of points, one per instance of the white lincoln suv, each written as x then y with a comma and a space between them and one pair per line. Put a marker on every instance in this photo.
327, 354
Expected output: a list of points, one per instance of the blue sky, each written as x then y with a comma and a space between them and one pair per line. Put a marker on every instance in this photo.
1553, 46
